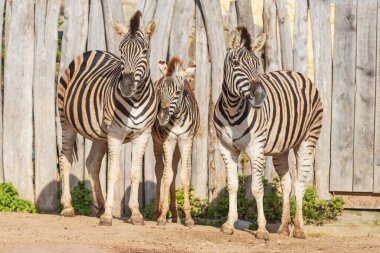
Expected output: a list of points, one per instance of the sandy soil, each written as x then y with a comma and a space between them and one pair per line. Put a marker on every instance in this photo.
53, 233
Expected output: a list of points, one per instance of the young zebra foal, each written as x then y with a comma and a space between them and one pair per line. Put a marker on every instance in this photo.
265, 114
177, 122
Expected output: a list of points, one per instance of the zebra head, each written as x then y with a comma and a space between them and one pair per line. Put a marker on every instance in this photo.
171, 88
135, 53
240, 67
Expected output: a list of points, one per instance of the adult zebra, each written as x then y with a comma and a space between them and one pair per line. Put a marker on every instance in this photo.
177, 122
265, 114
110, 101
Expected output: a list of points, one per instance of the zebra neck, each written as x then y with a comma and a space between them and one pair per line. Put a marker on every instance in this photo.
234, 105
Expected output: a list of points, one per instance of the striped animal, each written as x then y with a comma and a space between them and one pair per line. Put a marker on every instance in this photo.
110, 101
177, 122
265, 114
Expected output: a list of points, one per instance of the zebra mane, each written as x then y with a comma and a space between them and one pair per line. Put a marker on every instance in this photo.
174, 65
134, 22
245, 37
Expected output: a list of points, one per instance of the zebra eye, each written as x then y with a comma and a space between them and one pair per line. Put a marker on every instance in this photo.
145, 51
177, 92
235, 62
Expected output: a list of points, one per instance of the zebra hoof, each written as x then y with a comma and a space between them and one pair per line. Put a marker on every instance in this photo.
284, 230
161, 222
227, 229
105, 220
68, 212
176, 220
189, 223
262, 234
137, 219
299, 234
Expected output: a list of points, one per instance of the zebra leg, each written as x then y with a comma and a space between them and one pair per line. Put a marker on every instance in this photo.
114, 145
185, 146
93, 163
169, 146
282, 168
230, 158
65, 161
159, 168
173, 197
305, 161
138, 150
256, 154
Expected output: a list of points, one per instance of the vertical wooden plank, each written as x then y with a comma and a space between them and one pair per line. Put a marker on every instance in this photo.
320, 22
2, 5
232, 17
140, 5
244, 15
201, 92
149, 10
74, 43
96, 41
160, 39
285, 35
8, 15
45, 151
18, 83
182, 23
217, 49
271, 47
365, 96
343, 97
376, 180
112, 10
300, 37
149, 178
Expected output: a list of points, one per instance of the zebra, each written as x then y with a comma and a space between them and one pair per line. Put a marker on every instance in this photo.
111, 101
177, 122
265, 114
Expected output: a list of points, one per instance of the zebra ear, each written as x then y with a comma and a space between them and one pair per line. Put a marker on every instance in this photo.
150, 28
119, 28
163, 67
259, 42
188, 73
234, 39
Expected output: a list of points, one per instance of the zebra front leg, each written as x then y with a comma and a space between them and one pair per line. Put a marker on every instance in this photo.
159, 169
257, 158
173, 198
305, 162
185, 146
230, 158
65, 161
114, 146
169, 146
282, 168
93, 164
138, 149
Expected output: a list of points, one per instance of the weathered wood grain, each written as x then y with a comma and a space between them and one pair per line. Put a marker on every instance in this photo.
8, 15
376, 169
285, 35
74, 43
232, 17
217, 49
272, 62
320, 22
149, 10
112, 10
18, 102
343, 97
244, 15
300, 37
2, 5
160, 39
183, 19
365, 96
201, 92
45, 151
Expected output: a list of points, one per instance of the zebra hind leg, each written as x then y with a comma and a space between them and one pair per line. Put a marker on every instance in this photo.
93, 163
305, 162
230, 158
282, 168
65, 162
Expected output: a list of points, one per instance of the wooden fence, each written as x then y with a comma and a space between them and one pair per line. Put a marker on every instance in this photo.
347, 77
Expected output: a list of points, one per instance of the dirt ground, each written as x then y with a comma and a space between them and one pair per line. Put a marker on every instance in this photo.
32, 233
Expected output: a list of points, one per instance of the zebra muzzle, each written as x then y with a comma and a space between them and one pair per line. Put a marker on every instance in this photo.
163, 117
127, 86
